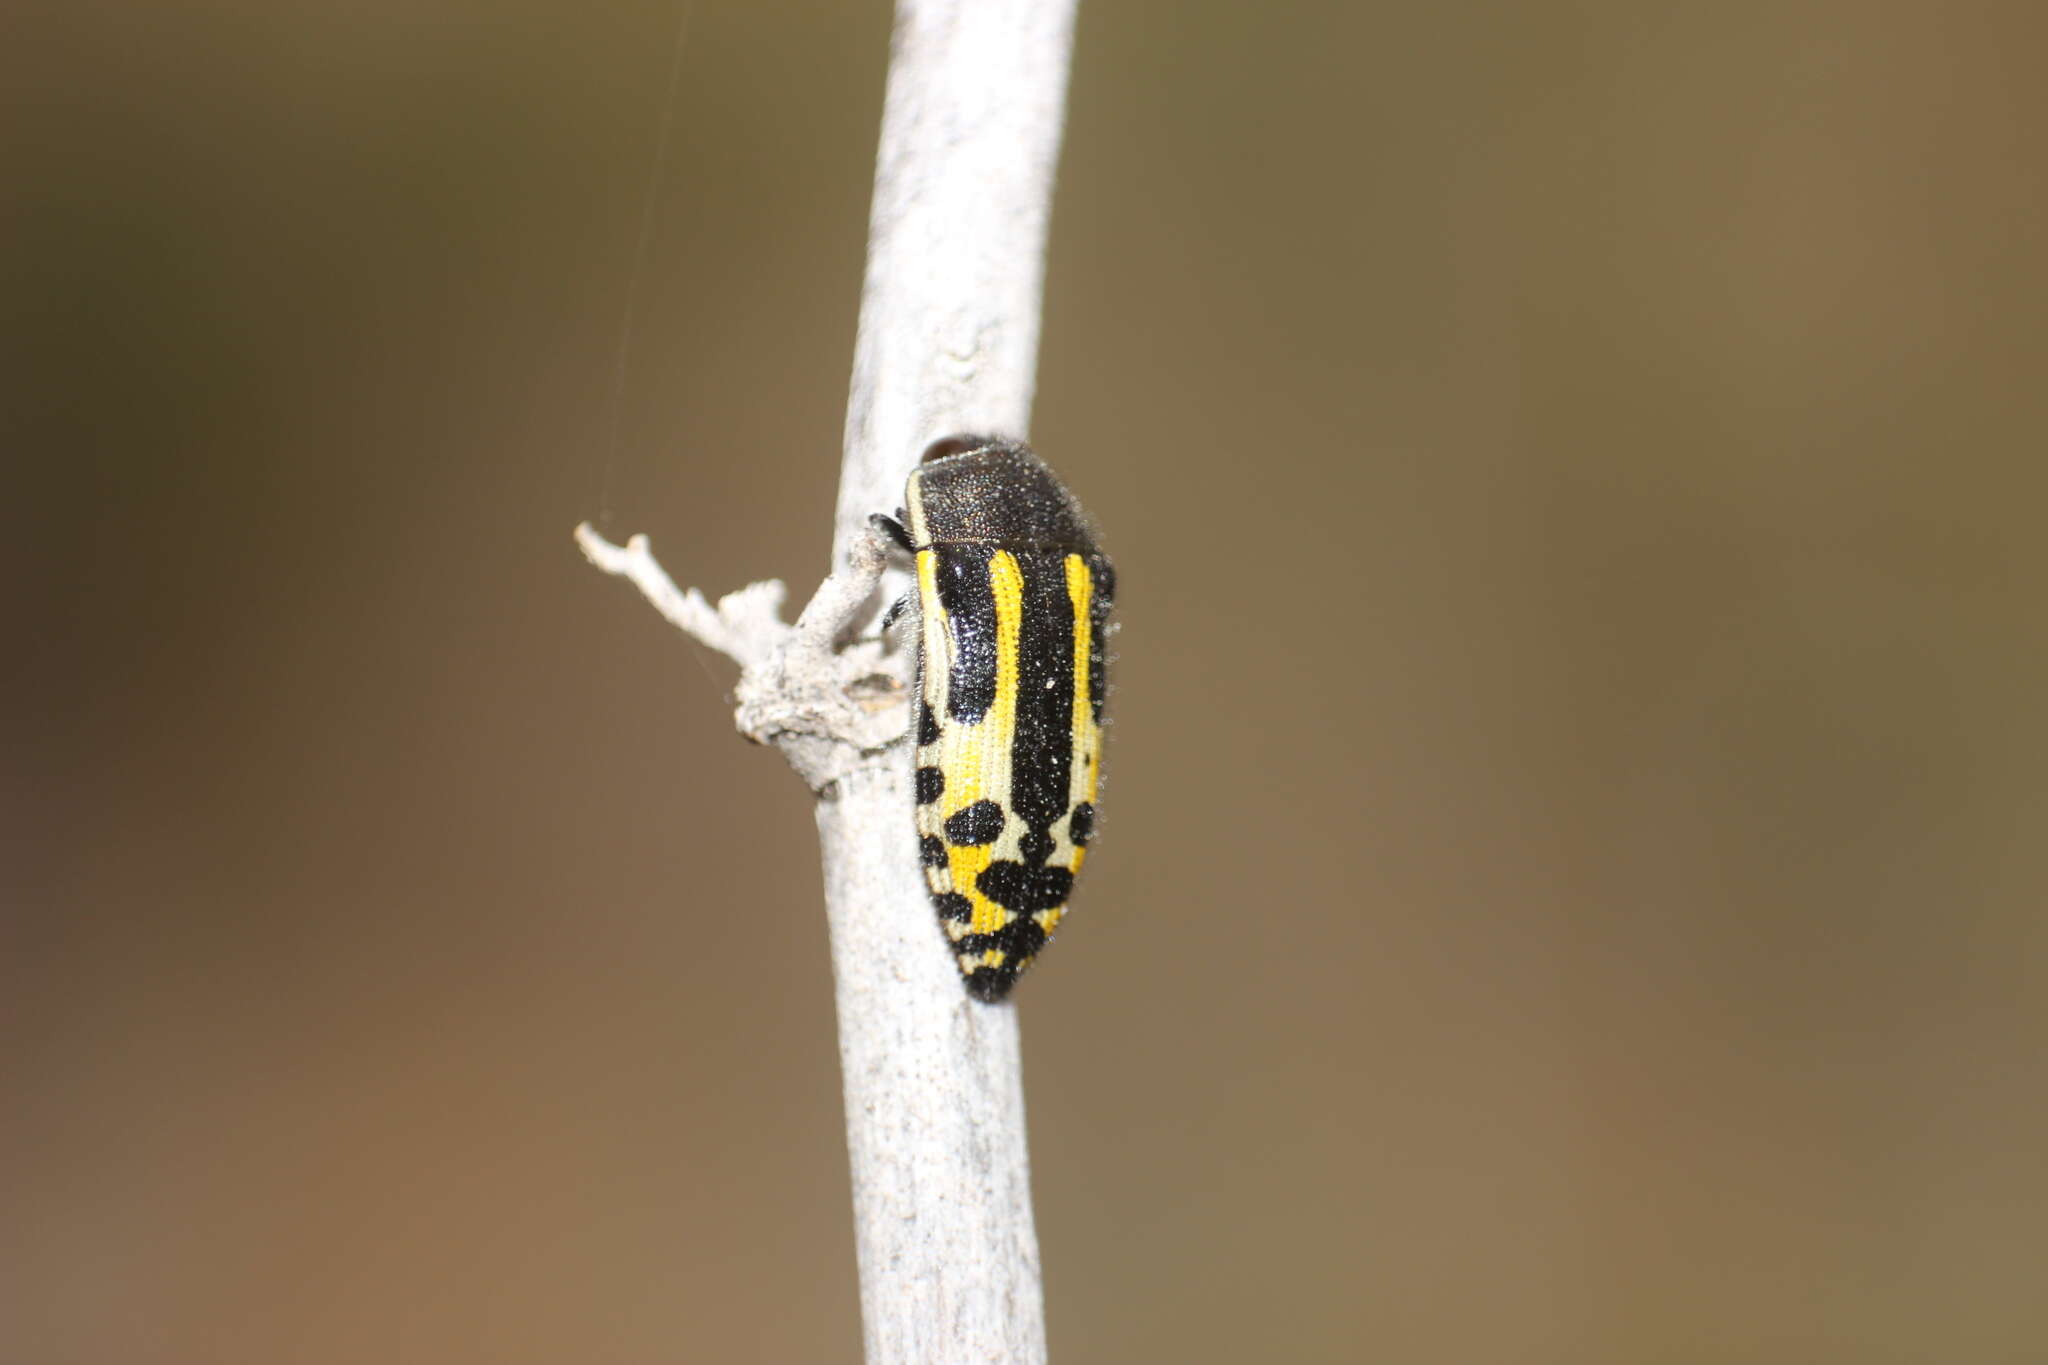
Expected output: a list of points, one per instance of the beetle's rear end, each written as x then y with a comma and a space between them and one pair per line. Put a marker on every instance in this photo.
1014, 598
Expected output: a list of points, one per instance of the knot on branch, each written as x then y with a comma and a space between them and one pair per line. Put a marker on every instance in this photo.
829, 702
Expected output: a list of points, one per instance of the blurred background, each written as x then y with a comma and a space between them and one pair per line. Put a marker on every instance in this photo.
1574, 861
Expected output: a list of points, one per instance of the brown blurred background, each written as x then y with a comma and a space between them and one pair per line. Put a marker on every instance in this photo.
1574, 872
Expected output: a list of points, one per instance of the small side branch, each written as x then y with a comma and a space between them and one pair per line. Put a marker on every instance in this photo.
743, 628
828, 708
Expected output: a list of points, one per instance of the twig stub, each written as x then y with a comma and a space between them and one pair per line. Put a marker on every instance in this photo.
829, 707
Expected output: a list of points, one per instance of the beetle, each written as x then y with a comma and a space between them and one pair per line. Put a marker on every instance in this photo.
1013, 599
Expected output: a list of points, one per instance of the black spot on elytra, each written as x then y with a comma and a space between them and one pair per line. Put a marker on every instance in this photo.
1025, 890
1020, 942
1082, 827
931, 785
955, 907
930, 851
927, 725
1036, 846
980, 823
1098, 632
1020, 938
1043, 743
970, 604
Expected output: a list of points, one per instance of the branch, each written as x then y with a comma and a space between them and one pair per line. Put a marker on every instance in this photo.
947, 343
829, 709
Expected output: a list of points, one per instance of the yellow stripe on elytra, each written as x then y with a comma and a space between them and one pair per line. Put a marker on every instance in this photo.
1006, 582
961, 762
1081, 590
945, 752
1087, 735
976, 757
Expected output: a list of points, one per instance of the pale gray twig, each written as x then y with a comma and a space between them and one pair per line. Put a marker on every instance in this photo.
947, 343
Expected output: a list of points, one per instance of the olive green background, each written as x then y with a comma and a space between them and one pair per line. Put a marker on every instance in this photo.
1572, 884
